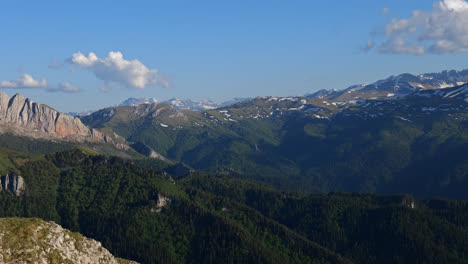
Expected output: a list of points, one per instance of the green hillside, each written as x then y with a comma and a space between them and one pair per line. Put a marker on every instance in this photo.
143, 215
415, 144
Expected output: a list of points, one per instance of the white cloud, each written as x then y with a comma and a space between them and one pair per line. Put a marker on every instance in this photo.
114, 68
26, 81
163, 81
385, 10
398, 45
65, 87
441, 30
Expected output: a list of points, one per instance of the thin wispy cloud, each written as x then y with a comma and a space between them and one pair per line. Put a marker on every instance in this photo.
65, 87
368, 46
440, 30
115, 69
55, 64
105, 89
27, 81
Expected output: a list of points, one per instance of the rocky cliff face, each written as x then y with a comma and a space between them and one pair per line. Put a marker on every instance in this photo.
21, 114
29, 240
13, 183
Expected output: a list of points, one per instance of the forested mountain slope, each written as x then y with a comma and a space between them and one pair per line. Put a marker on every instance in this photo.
146, 216
415, 144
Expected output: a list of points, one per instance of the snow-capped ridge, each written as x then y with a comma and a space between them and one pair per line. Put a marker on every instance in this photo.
398, 85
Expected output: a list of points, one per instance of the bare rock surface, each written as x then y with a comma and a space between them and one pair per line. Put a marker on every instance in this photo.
13, 183
22, 115
31, 240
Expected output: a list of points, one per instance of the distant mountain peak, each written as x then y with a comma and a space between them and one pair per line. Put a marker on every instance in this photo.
396, 85
138, 101
183, 104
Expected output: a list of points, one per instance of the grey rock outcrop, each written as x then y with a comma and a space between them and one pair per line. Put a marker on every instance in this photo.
147, 151
160, 203
13, 183
30, 240
408, 202
20, 113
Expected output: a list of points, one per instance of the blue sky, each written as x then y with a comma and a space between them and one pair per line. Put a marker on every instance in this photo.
215, 49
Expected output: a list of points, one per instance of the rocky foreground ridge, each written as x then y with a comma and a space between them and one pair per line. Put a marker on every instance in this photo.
31, 240
21, 115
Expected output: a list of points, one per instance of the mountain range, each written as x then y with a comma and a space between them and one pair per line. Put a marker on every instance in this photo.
396, 85
302, 179
297, 143
186, 104
307, 143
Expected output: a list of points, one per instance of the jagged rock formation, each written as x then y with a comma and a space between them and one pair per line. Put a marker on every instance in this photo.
13, 183
21, 114
30, 240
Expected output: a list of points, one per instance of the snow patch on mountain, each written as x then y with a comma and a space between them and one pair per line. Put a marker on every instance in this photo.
396, 85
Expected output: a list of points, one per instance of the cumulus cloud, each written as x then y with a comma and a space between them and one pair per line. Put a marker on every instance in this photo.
26, 81
55, 64
398, 45
440, 30
115, 69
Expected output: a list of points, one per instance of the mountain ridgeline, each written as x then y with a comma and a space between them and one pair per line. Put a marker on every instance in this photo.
417, 143
344, 176
396, 85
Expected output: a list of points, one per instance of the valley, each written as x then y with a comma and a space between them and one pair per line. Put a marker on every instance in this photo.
264, 180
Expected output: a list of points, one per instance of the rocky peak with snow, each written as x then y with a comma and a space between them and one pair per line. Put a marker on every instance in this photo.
138, 101
183, 104
396, 85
